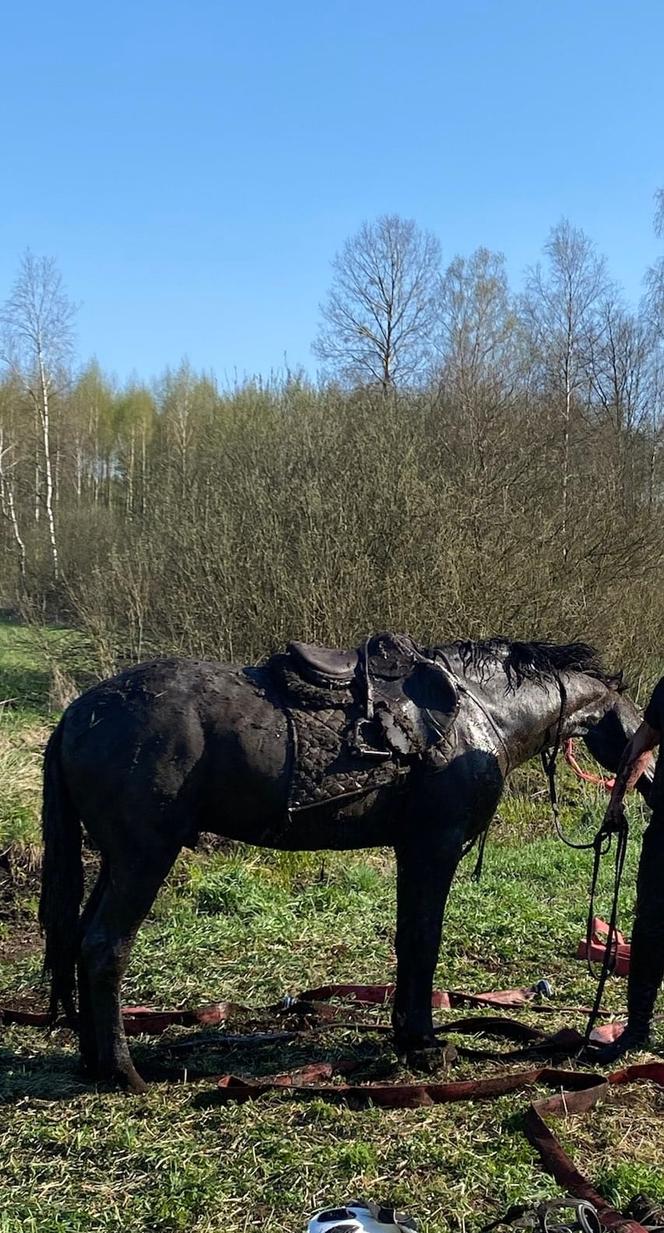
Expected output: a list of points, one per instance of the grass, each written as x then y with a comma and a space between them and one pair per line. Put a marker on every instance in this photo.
251, 927
33, 670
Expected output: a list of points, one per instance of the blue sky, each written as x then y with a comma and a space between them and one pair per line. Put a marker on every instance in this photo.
193, 167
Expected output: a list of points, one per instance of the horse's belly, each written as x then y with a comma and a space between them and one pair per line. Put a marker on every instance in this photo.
364, 823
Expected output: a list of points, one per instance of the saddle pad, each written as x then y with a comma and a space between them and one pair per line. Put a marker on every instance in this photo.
325, 765
353, 739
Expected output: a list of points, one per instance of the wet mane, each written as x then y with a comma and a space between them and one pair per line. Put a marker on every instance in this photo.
531, 661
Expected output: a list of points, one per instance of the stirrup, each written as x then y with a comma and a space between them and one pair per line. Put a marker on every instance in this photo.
361, 746
361, 1217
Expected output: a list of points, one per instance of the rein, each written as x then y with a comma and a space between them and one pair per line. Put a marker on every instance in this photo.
600, 845
609, 958
549, 760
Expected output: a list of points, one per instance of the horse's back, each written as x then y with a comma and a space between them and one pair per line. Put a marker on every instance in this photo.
188, 738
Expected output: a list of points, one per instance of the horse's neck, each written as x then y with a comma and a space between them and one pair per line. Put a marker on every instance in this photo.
528, 717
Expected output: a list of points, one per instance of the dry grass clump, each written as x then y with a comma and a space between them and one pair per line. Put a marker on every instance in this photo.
20, 780
62, 689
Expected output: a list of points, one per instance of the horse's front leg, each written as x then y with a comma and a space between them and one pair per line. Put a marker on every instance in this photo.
427, 858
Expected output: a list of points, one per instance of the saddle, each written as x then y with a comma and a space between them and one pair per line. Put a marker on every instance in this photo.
323, 664
407, 698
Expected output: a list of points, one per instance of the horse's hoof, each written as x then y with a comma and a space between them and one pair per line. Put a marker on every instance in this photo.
130, 1081
125, 1078
428, 1056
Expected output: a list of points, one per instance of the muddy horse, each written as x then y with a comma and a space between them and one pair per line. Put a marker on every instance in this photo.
390, 745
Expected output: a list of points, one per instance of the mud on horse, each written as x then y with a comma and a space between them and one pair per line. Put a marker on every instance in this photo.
425, 739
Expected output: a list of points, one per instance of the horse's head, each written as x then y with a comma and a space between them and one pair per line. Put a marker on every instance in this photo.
606, 723
540, 693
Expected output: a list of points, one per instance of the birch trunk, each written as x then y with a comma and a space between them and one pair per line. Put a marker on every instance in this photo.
130, 476
44, 412
565, 475
8, 506
37, 466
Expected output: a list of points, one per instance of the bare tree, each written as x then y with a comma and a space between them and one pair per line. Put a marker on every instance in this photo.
654, 297
560, 312
620, 374
7, 499
37, 327
378, 318
618, 354
477, 334
655, 404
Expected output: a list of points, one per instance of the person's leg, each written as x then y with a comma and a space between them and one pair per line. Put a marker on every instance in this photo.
646, 968
646, 965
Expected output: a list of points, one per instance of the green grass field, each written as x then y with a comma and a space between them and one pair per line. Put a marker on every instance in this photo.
252, 927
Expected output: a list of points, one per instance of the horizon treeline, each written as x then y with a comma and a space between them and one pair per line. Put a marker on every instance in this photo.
471, 461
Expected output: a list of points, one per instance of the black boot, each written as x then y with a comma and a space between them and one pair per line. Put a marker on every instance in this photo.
646, 965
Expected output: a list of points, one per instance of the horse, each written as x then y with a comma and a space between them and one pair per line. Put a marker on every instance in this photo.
149, 759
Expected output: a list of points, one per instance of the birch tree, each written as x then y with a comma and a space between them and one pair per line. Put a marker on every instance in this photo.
621, 373
378, 317
135, 417
654, 297
560, 313
37, 324
9, 457
653, 312
477, 328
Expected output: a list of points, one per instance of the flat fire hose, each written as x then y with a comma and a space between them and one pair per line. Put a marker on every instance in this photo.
312, 1002
576, 1092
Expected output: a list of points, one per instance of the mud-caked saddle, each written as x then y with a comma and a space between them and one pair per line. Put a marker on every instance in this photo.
405, 698
360, 720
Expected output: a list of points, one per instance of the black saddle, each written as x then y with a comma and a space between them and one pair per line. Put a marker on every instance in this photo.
324, 663
408, 699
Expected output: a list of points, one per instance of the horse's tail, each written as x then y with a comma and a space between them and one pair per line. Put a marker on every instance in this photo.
61, 882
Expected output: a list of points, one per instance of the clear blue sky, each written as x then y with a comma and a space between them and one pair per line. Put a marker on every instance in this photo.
194, 166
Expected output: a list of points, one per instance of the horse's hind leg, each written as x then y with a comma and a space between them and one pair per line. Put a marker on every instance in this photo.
125, 901
87, 1035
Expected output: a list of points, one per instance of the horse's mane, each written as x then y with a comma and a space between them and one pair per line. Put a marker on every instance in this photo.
531, 661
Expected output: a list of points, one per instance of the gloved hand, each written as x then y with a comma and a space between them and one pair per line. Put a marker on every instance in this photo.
614, 818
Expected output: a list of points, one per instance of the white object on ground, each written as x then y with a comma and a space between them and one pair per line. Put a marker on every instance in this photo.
356, 1217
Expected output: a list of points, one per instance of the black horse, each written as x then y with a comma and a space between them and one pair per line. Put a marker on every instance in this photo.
152, 757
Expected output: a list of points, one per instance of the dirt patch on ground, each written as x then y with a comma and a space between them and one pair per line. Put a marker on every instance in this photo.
20, 874
22, 941
19, 886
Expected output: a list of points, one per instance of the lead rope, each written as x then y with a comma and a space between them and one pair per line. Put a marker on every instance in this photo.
600, 846
608, 962
549, 760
